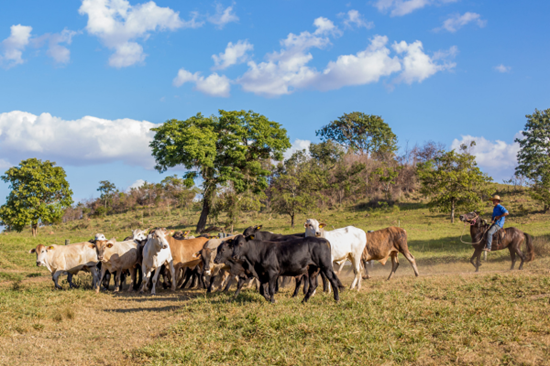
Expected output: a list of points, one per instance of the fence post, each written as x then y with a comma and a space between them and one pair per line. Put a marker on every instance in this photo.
67, 242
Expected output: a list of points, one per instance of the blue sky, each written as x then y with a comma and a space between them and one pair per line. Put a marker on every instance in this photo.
81, 82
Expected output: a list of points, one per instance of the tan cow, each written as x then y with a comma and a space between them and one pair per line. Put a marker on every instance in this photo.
184, 254
385, 243
67, 259
117, 257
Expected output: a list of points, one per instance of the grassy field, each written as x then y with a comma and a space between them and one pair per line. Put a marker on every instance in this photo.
447, 316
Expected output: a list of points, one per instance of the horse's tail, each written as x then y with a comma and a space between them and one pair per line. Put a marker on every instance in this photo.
530, 248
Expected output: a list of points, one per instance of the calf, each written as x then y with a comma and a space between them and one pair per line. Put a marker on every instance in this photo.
268, 236
156, 252
184, 254
117, 257
271, 260
385, 243
345, 243
67, 259
240, 269
215, 271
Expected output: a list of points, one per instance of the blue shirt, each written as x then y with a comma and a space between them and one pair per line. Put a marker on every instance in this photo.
497, 211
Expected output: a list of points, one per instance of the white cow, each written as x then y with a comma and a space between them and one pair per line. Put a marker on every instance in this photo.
345, 243
67, 259
156, 252
116, 257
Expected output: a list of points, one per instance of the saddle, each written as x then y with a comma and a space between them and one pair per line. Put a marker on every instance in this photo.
499, 236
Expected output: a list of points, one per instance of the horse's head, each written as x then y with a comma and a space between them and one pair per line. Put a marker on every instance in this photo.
470, 217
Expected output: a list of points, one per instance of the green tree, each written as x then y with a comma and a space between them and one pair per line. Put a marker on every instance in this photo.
361, 132
534, 155
453, 180
235, 147
107, 190
39, 192
292, 186
387, 176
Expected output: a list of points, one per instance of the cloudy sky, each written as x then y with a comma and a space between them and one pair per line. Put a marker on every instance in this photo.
82, 82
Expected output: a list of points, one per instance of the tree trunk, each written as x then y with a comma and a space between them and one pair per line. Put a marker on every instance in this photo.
292, 220
206, 203
452, 211
34, 229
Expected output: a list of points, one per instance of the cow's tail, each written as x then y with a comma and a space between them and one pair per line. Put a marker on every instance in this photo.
530, 248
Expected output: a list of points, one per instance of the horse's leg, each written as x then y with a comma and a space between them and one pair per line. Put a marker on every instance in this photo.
478, 261
512, 256
521, 256
394, 265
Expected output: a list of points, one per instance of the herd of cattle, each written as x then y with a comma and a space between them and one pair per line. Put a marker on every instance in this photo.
254, 256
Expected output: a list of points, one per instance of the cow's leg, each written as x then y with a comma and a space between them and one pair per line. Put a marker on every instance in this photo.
118, 275
95, 278
366, 267
106, 280
326, 283
230, 282
312, 273
273, 278
155, 279
133, 277
356, 263
186, 276
334, 282
137, 285
240, 284
55, 277
101, 275
394, 265
412, 261
146, 276
70, 280
173, 273
299, 280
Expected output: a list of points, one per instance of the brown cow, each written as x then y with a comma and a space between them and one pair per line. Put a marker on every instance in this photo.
184, 254
385, 243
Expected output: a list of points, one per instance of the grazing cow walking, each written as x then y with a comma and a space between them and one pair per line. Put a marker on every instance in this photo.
184, 254
385, 243
67, 259
239, 269
271, 260
346, 243
117, 257
156, 253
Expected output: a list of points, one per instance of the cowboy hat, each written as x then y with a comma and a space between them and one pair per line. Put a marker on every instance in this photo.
496, 197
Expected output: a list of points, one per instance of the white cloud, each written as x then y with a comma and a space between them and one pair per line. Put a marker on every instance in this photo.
138, 183
234, 54
354, 18
417, 65
223, 16
502, 68
214, 85
457, 21
60, 53
497, 158
119, 24
297, 145
14, 45
403, 7
85, 141
4, 164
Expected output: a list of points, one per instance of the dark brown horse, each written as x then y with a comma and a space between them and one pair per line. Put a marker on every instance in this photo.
512, 240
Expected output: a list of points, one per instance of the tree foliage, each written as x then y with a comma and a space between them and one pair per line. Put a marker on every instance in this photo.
107, 190
235, 147
453, 180
39, 192
534, 155
361, 132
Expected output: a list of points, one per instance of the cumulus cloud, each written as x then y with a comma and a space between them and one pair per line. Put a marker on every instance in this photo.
13, 46
496, 158
56, 45
502, 68
457, 21
85, 141
214, 85
417, 65
233, 54
354, 18
138, 183
403, 7
119, 25
297, 145
223, 16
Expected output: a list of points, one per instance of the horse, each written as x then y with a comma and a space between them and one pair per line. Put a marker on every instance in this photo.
512, 240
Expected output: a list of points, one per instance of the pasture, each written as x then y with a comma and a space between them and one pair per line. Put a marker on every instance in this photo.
448, 315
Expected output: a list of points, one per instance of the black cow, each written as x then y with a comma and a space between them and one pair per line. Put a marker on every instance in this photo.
242, 269
296, 257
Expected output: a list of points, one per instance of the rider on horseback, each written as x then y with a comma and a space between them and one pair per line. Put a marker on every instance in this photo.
499, 216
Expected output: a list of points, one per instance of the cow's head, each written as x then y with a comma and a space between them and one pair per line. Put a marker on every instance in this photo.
224, 252
41, 254
158, 239
252, 230
314, 228
206, 257
139, 235
101, 246
240, 245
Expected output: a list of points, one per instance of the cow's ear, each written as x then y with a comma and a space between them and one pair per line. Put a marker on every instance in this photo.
258, 227
172, 233
92, 246
33, 250
250, 237
322, 225
50, 247
110, 245
305, 224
